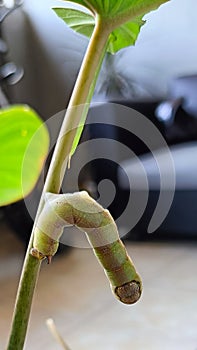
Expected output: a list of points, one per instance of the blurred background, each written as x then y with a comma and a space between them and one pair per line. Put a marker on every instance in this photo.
157, 77
40, 58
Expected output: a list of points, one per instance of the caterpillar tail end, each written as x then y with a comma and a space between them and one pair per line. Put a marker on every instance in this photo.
129, 293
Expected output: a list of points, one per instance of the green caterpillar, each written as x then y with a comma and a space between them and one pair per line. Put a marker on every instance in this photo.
81, 210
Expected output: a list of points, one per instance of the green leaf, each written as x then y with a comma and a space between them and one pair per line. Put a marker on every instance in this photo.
120, 10
83, 23
24, 142
125, 35
80, 22
124, 18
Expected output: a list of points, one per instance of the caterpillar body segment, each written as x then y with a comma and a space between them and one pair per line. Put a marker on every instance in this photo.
125, 282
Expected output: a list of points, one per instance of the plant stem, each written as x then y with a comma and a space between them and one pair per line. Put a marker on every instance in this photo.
23, 305
77, 110
78, 106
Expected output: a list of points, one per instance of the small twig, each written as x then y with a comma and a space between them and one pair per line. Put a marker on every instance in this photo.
53, 329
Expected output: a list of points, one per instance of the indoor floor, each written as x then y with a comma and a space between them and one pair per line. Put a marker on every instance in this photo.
74, 291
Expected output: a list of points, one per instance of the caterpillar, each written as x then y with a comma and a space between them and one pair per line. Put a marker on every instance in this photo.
85, 213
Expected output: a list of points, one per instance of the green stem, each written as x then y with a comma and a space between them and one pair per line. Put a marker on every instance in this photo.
79, 102
78, 105
23, 305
